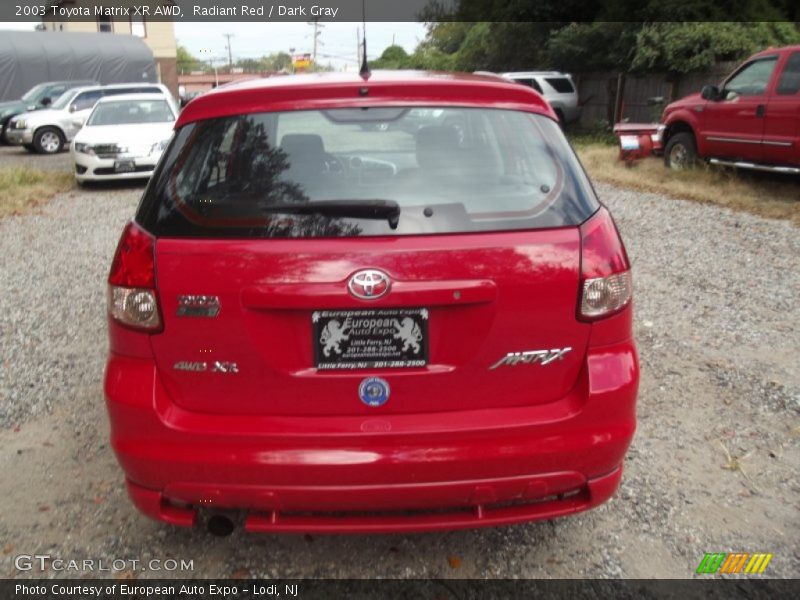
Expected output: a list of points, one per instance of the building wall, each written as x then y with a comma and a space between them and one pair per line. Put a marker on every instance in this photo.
168, 73
159, 37
208, 81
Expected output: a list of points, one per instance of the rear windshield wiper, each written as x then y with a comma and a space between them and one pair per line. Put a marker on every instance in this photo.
359, 209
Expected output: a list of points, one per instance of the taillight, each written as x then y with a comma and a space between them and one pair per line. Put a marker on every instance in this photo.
606, 283
132, 299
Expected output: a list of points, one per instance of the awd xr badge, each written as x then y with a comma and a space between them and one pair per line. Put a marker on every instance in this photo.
374, 391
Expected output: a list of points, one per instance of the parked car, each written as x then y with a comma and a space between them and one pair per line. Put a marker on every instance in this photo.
368, 332
556, 87
39, 96
48, 131
123, 138
752, 120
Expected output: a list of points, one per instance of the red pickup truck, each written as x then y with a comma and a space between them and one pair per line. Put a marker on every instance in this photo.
751, 121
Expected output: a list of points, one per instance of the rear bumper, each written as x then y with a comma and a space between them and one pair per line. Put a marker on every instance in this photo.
530, 502
362, 474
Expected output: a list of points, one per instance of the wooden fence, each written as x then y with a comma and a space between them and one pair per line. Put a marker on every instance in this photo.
605, 96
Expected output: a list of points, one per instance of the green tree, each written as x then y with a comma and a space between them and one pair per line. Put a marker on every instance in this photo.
628, 36
394, 57
624, 35
574, 47
186, 62
506, 46
279, 61
250, 65
425, 57
667, 47
483, 45
445, 36
476, 50
272, 62
684, 47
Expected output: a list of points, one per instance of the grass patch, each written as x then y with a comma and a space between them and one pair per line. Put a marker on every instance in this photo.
586, 136
22, 189
763, 194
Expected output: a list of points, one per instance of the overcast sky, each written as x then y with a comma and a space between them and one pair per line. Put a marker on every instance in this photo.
253, 40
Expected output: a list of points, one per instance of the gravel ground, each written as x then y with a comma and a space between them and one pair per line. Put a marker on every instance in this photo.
713, 466
17, 156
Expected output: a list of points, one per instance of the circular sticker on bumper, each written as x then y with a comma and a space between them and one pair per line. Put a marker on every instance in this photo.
373, 391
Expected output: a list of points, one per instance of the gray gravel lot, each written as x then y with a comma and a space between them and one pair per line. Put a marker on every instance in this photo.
17, 156
713, 466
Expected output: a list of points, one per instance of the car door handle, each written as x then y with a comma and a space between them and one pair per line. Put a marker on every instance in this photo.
760, 110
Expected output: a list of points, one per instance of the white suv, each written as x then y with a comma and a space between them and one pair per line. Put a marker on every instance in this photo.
555, 87
50, 130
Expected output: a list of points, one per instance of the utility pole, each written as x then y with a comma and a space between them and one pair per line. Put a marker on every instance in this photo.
358, 45
212, 62
317, 33
230, 51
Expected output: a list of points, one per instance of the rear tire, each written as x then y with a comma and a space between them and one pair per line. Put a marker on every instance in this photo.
680, 152
48, 140
561, 122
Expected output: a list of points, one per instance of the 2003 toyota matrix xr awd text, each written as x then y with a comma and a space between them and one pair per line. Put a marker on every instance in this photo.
330, 327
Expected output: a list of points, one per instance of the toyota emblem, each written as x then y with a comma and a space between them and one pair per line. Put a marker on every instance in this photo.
369, 284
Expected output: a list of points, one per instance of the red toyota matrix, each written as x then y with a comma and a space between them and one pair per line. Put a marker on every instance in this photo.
390, 303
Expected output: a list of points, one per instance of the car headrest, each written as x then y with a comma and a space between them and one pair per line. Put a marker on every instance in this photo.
437, 146
298, 145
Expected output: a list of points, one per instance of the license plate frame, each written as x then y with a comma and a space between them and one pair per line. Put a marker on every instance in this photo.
124, 165
382, 338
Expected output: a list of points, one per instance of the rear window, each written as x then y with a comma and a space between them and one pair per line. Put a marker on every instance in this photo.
64, 99
530, 82
130, 112
55, 91
131, 90
86, 100
560, 84
447, 169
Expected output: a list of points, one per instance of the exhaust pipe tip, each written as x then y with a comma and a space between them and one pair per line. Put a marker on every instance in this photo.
220, 526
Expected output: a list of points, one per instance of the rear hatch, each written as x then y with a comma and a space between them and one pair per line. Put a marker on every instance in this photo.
483, 296
264, 310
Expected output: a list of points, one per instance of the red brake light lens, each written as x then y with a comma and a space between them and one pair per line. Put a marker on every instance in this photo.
134, 261
606, 284
132, 299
